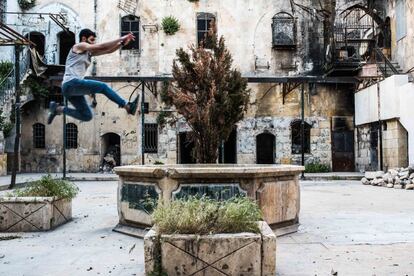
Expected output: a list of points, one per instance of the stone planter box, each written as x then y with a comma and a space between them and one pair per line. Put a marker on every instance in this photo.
219, 254
274, 187
29, 214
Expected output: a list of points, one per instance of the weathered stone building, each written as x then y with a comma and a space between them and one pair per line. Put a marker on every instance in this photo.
274, 43
384, 114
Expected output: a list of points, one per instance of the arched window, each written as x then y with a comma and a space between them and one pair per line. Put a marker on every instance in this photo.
39, 136
265, 148
130, 24
204, 21
66, 41
71, 136
296, 137
283, 31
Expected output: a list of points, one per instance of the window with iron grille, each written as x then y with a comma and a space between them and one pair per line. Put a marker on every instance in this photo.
3, 6
151, 138
130, 24
71, 136
296, 137
283, 31
39, 136
204, 21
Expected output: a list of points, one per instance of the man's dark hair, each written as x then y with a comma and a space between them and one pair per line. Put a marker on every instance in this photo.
86, 33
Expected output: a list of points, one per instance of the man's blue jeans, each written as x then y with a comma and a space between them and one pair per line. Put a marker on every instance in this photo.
75, 91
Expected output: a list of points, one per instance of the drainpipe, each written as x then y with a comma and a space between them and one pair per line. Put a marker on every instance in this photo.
143, 122
380, 127
15, 167
95, 25
302, 127
65, 101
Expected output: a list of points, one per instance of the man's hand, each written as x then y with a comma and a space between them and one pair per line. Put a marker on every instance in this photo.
128, 38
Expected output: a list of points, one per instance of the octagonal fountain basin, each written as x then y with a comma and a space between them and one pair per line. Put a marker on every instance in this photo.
274, 187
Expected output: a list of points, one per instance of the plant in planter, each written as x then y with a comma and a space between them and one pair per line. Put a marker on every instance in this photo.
210, 94
170, 25
26, 4
43, 205
199, 235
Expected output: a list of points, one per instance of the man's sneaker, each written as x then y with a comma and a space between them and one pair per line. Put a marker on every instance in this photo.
133, 106
52, 112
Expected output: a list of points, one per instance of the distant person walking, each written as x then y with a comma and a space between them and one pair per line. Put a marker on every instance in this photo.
75, 87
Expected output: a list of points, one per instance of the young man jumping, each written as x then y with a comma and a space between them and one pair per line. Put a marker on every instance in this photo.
75, 87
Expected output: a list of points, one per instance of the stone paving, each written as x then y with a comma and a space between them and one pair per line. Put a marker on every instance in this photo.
346, 229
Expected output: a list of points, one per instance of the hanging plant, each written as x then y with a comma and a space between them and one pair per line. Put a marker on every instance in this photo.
26, 4
170, 25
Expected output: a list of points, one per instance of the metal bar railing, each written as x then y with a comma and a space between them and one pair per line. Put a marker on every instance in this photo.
380, 57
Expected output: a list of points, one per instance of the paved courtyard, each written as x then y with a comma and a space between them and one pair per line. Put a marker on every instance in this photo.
346, 229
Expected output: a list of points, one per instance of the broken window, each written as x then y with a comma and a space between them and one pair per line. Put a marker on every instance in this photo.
151, 138
66, 41
283, 31
296, 137
39, 136
71, 136
38, 39
130, 24
204, 21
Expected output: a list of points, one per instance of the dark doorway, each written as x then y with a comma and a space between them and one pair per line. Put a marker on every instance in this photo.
111, 151
230, 149
185, 149
265, 148
373, 141
66, 41
38, 39
342, 145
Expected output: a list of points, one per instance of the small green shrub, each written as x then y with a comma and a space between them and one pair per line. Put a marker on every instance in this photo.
47, 186
26, 4
316, 168
37, 87
207, 216
7, 128
5, 125
170, 25
5, 68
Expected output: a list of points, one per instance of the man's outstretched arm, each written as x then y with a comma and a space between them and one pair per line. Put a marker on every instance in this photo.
105, 47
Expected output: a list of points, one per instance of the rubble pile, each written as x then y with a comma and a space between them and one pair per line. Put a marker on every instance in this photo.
402, 178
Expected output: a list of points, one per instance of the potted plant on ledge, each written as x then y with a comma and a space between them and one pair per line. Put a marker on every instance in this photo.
200, 236
41, 206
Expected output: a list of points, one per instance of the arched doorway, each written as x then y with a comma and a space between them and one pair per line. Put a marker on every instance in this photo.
38, 39
265, 148
65, 41
185, 149
110, 150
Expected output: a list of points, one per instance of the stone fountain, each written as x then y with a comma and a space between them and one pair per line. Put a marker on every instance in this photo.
274, 187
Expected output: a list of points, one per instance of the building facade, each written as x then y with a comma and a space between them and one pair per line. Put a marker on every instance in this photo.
266, 39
